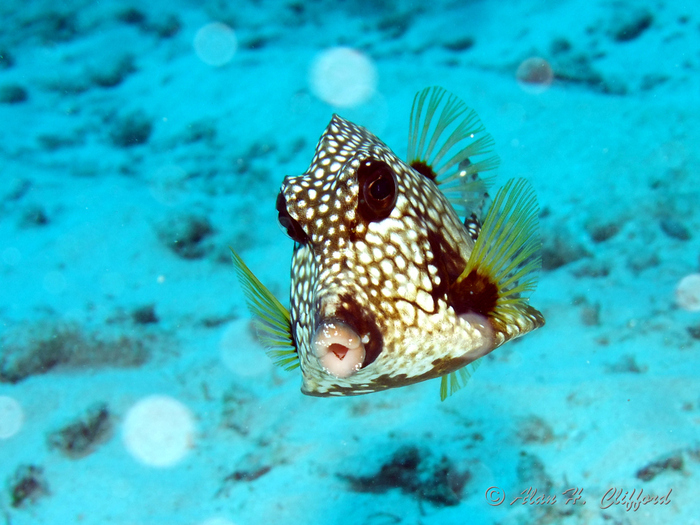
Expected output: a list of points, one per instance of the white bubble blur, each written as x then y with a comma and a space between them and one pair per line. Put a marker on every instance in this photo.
688, 293
215, 44
241, 352
158, 431
534, 75
343, 77
11, 417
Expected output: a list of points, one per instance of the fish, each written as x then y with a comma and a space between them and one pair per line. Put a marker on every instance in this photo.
398, 274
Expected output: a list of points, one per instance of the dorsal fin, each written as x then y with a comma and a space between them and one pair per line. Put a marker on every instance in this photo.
271, 318
444, 135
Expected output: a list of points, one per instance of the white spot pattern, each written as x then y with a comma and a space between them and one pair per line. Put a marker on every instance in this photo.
385, 272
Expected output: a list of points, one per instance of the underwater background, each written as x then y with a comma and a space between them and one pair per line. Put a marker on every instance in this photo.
140, 140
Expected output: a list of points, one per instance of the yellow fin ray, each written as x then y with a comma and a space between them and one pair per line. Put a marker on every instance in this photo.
444, 133
454, 381
507, 251
271, 318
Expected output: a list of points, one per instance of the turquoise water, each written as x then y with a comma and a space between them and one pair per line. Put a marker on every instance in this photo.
139, 142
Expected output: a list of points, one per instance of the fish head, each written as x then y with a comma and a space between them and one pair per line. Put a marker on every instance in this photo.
377, 246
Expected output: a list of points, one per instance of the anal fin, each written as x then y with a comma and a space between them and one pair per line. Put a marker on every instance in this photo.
454, 381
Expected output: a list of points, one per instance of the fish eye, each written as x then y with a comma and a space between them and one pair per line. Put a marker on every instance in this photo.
290, 225
378, 190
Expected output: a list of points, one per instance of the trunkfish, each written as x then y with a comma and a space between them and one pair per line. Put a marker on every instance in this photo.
397, 275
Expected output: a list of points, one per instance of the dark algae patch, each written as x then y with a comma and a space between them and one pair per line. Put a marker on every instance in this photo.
653, 469
628, 24
82, 437
417, 473
43, 347
145, 315
249, 468
675, 229
27, 486
187, 235
534, 429
130, 130
13, 94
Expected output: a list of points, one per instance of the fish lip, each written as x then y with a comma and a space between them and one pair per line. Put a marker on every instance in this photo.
339, 348
357, 318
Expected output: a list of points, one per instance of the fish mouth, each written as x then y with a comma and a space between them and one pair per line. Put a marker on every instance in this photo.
339, 348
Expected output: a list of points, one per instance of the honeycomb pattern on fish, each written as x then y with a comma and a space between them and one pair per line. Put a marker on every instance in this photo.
386, 270
389, 286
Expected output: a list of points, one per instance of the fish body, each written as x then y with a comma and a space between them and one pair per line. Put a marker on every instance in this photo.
389, 286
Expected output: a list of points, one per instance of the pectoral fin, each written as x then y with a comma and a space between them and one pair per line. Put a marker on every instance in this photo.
271, 318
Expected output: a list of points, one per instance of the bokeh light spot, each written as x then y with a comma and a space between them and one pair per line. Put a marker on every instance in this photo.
343, 77
158, 431
215, 44
688, 293
534, 75
11, 417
